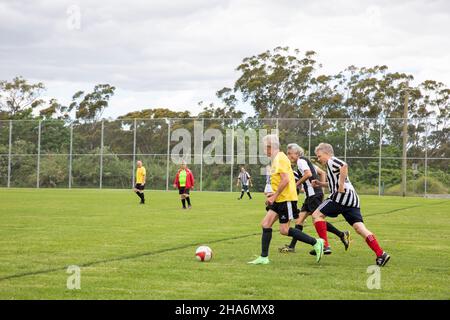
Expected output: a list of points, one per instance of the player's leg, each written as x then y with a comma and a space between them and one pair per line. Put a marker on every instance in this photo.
242, 193
141, 191
353, 217
319, 222
137, 190
298, 225
288, 211
188, 198
182, 197
266, 224
248, 192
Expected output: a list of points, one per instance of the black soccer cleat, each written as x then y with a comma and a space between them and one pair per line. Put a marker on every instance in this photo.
286, 249
346, 239
383, 259
326, 250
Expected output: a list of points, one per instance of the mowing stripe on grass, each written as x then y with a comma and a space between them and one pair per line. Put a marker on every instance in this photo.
151, 253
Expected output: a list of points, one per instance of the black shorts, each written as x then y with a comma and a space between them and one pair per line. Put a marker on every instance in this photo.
139, 186
332, 209
311, 203
286, 210
183, 190
244, 188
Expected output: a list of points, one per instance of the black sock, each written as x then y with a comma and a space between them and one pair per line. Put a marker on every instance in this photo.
265, 241
142, 197
301, 236
294, 241
138, 194
242, 194
188, 200
334, 230
248, 193
183, 201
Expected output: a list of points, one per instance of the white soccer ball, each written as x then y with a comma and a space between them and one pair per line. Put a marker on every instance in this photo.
203, 253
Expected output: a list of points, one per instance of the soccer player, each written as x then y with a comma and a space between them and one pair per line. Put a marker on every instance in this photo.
184, 181
343, 200
140, 181
281, 202
307, 172
245, 179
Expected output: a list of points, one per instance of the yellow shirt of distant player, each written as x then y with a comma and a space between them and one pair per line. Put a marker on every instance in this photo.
281, 164
140, 174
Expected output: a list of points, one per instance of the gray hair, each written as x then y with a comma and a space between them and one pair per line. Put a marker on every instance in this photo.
296, 148
271, 140
325, 148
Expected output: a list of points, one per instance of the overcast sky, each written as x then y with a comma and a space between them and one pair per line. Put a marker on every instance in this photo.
161, 53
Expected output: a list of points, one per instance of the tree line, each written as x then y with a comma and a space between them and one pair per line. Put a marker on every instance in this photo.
279, 83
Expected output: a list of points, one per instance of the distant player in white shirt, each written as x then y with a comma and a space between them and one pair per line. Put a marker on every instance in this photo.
245, 180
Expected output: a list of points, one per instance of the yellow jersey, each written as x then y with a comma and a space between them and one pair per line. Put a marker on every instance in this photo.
140, 174
281, 164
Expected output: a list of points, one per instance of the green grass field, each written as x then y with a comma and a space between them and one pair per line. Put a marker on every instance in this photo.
128, 251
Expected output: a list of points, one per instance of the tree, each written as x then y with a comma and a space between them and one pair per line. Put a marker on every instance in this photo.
276, 83
18, 98
89, 107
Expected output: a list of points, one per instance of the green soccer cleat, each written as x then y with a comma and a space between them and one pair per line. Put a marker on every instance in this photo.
318, 248
260, 260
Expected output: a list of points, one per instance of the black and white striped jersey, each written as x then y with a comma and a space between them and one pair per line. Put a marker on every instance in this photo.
244, 178
304, 164
349, 198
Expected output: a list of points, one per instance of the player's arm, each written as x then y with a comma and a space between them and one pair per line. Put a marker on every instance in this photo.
303, 166
322, 182
322, 177
237, 182
342, 177
283, 183
144, 177
306, 175
175, 181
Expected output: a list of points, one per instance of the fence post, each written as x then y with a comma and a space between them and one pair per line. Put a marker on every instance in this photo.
345, 141
70, 156
426, 158
405, 142
101, 157
232, 158
168, 155
309, 139
38, 169
379, 158
134, 154
201, 157
9, 153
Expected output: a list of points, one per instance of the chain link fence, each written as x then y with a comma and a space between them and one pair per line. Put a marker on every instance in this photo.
57, 154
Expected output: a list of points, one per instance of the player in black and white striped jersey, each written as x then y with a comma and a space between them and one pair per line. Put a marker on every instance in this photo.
245, 180
343, 200
305, 173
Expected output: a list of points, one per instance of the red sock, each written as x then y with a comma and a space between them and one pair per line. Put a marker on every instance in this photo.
373, 244
321, 228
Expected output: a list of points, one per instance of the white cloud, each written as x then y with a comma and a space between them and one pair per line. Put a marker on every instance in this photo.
176, 53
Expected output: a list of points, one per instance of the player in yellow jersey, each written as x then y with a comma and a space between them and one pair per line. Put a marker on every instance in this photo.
281, 201
140, 181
